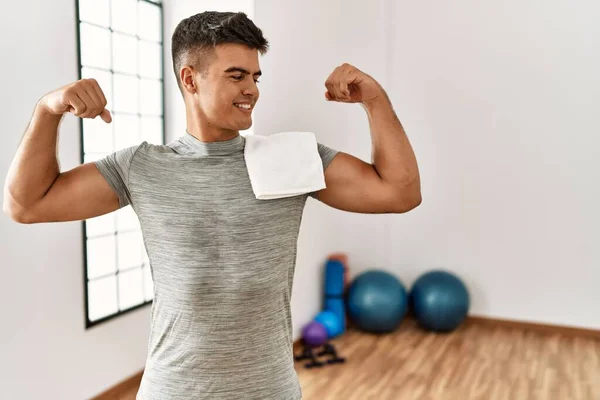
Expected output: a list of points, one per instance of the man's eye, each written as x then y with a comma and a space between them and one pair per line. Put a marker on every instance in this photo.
241, 77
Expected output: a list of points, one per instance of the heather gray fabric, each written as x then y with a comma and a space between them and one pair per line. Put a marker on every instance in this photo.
222, 264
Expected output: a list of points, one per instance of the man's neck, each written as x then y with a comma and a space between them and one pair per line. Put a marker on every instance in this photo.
214, 135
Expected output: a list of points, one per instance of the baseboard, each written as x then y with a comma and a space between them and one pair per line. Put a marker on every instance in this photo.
534, 326
123, 387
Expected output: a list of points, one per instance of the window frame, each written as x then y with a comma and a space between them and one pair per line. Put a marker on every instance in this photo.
89, 323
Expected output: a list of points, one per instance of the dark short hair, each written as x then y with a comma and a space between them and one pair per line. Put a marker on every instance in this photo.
201, 33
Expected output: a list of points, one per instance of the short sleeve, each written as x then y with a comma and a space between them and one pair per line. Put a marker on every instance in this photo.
115, 169
327, 155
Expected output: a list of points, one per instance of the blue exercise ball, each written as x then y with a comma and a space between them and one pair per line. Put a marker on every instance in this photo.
377, 301
331, 322
440, 301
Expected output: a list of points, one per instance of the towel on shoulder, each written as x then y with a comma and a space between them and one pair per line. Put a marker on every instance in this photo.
285, 164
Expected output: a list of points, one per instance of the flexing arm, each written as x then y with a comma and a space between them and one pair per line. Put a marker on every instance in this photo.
35, 190
391, 183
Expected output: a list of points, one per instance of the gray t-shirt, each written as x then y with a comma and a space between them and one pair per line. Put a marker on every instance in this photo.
222, 263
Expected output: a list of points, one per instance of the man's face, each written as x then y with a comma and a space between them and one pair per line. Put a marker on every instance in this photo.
228, 91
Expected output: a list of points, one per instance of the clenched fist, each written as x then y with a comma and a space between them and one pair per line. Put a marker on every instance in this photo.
83, 98
348, 84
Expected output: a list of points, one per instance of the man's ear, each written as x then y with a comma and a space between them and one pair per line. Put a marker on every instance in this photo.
187, 74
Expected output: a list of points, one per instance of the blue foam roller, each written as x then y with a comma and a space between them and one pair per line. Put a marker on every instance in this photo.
331, 322
337, 306
334, 278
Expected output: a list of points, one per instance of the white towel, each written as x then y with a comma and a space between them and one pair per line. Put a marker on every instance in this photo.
284, 164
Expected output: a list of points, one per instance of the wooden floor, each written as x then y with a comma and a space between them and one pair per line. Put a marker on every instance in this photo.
475, 362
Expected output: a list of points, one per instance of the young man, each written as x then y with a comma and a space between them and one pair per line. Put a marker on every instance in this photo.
222, 261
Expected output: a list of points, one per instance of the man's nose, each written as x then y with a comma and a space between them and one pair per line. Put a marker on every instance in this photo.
251, 89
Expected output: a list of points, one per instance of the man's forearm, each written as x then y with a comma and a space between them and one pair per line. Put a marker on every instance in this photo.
35, 165
393, 156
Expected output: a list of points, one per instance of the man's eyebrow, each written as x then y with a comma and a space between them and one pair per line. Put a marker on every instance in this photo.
242, 70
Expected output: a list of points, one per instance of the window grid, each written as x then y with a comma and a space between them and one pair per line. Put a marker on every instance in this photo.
111, 71
117, 232
111, 30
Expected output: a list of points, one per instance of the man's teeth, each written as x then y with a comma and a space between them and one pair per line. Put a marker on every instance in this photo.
246, 106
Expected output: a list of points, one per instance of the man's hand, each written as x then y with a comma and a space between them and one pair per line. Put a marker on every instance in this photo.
83, 98
348, 84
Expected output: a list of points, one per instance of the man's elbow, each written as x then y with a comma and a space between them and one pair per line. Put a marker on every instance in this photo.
407, 198
17, 213
19, 217
409, 203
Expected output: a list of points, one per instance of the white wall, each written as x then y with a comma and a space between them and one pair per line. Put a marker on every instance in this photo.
498, 101
45, 351
501, 101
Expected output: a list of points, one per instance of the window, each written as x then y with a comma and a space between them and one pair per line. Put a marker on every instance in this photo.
121, 46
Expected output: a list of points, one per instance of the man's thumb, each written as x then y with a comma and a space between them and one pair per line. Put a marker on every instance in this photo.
106, 117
